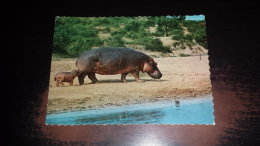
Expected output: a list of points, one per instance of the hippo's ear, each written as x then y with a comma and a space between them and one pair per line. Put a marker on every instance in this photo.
151, 60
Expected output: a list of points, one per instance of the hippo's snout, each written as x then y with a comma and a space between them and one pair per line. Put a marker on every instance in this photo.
156, 75
159, 76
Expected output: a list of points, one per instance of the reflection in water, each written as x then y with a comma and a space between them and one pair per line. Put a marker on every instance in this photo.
195, 111
177, 104
144, 117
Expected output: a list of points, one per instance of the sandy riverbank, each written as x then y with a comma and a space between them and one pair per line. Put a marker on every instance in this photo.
183, 77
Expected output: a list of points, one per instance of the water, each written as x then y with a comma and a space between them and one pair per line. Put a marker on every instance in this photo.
193, 111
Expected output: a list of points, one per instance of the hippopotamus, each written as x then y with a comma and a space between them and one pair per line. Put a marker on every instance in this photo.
111, 61
65, 77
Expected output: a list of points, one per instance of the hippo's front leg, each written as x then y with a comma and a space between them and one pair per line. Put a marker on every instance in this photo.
123, 77
57, 83
81, 78
136, 76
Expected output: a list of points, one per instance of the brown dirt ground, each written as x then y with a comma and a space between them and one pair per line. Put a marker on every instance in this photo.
183, 77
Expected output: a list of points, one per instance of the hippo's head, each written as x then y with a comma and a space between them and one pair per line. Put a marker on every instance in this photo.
74, 72
151, 69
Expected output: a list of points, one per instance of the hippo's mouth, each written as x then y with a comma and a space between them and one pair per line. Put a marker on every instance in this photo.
155, 75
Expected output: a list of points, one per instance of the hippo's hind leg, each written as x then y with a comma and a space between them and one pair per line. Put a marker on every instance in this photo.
59, 82
136, 76
71, 83
81, 78
123, 77
92, 77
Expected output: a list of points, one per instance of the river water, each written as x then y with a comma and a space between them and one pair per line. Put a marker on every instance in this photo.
192, 111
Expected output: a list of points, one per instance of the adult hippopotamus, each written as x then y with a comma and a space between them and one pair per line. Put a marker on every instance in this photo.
111, 61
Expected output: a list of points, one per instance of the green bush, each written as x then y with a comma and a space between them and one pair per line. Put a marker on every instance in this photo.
183, 47
198, 31
119, 33
106, 30
183, 55
83, 44
178, 37
132, 35
201, 38
158, 34
133, 26
153, 45
149, 23
189, 38
74, 35
114, 41
137, 35
154, 56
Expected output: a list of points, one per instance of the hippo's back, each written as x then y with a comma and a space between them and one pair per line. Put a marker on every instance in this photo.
103, 55
107, 59
110, 52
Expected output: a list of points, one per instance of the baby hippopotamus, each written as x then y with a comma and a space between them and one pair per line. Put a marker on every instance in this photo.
111, 61
65, 77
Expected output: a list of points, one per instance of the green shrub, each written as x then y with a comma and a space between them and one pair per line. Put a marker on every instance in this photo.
138, 35
149, 23
178, 37
59, 56
163, 55
133, 26
106, 30
114, 41
154, 56
118, 33
158, 34
177, 32
201, 38
73, 37
132, 35
175, 44
183, 55
183, 47
198, 31
153, 45
189, 38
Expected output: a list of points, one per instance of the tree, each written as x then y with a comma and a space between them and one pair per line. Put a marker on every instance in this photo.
73, 37
166, 24
197, 31
61, 39
181, 18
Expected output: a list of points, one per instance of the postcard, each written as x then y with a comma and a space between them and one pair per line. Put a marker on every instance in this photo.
130, 70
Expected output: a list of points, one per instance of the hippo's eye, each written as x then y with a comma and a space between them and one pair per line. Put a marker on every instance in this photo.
153, 66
